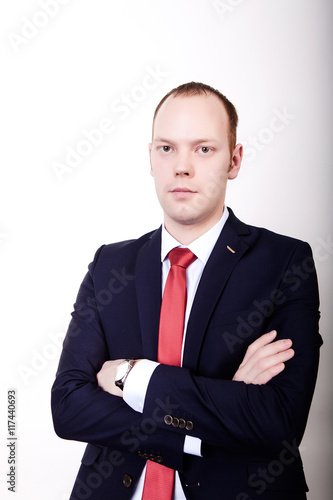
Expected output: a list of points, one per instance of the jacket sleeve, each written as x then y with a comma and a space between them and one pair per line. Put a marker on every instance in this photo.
248, 417
82, 411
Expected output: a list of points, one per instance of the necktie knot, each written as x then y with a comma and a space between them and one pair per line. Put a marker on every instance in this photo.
182, 257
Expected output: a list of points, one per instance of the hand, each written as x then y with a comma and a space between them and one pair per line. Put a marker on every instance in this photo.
264, 359
105, 377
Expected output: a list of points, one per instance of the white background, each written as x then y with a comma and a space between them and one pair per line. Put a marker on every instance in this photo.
61, 75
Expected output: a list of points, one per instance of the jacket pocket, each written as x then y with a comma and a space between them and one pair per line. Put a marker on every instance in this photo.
91, 454
276, 476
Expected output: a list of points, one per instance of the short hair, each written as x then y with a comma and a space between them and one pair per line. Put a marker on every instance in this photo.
196, 88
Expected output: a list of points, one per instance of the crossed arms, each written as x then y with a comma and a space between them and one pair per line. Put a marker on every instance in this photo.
264, 359
266, 401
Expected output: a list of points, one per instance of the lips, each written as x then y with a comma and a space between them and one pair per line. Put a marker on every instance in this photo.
182, 193
182, 190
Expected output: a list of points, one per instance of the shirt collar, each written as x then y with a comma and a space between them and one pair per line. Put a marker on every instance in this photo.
201, 247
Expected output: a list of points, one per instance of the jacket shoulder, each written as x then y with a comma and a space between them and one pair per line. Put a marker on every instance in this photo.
265, 236
121, 252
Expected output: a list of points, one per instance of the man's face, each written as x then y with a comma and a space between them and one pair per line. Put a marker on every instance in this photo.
191, 161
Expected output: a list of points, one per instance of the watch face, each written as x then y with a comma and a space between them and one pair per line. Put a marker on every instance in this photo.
121, 370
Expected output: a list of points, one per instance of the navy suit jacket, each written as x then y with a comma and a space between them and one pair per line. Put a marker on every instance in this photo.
250, 433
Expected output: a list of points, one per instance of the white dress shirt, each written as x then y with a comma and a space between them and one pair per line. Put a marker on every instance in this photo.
137, 381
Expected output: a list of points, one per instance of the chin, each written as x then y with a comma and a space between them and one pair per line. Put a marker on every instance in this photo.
185, 216
187, 220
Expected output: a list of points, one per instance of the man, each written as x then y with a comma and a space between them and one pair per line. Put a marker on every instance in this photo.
226, 403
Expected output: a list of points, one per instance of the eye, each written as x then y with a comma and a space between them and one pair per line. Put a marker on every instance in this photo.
205, 149
166, 149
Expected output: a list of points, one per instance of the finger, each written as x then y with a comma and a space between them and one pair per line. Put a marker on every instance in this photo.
263, 340
269, 367
271, 349
267, 351
255, 367
254, 371
271, 361
266, 376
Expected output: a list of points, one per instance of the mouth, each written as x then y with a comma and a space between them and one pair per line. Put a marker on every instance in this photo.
182, 190
182, 193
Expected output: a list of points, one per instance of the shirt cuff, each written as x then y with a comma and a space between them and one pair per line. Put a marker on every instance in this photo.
136, 384
192, 446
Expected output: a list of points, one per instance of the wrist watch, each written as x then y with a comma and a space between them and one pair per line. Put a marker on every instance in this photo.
122, 372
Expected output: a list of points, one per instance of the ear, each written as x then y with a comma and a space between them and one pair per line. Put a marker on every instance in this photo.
151, 167
236, 161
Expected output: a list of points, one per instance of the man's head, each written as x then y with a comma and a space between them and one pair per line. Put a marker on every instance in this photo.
192, 156
197, 88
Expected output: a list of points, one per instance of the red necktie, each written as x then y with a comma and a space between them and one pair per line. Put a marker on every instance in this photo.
159, 479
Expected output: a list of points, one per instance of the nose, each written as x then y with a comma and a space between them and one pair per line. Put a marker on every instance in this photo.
183, 166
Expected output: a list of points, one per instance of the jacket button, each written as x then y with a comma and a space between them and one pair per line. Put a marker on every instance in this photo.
168, 419
127, 481
182, 423
189, 425
175, 422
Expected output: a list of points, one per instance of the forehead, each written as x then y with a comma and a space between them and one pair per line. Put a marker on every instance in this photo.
189, 116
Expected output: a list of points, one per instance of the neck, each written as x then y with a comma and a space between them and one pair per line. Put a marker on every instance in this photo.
187, 233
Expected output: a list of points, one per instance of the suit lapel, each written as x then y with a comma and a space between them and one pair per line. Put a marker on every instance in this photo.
148, 289
214, 278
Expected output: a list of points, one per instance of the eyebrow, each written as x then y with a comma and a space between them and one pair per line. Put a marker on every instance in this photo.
196, 141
